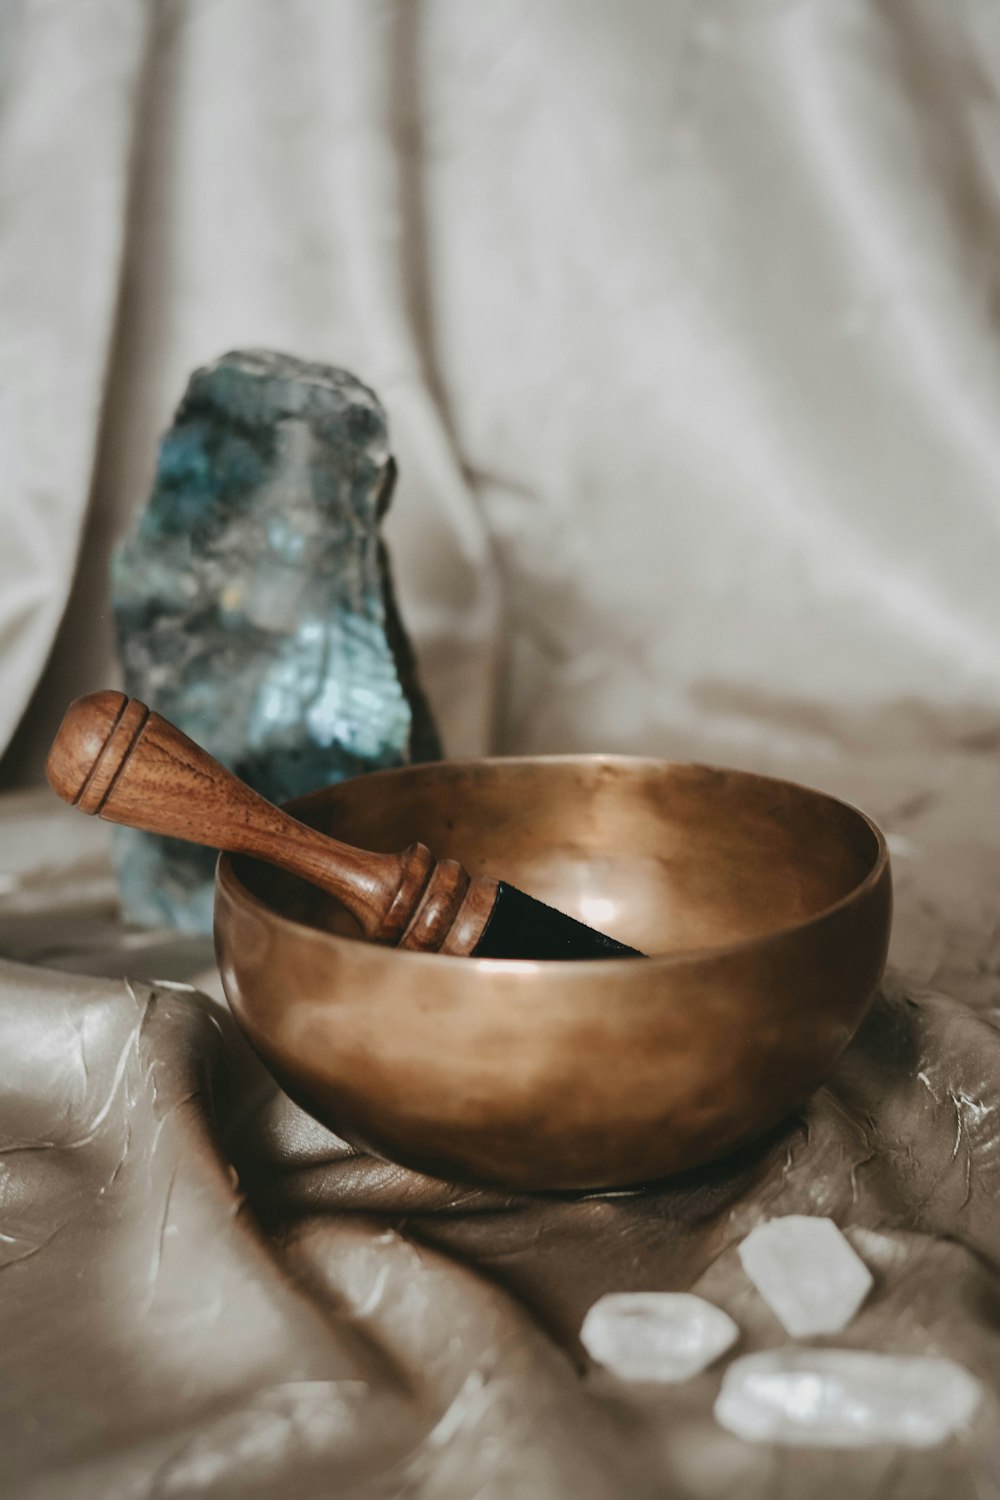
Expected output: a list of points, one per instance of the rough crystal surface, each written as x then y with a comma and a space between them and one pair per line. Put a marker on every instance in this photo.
253, 601
845, 1398
664, 1336
807, 1273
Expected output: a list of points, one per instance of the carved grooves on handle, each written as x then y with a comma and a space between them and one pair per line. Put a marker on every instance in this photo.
437, 906
417, 869
114, 757
436, 909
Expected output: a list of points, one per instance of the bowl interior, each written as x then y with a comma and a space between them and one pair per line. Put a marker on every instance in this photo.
668, 858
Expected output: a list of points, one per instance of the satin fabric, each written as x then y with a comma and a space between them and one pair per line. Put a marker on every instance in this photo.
204, 1293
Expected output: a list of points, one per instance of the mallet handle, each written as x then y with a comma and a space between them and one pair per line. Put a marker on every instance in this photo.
114, 757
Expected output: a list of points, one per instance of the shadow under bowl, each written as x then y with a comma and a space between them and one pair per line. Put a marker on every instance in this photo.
765, 908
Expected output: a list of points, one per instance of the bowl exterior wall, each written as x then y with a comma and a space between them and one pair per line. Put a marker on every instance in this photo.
550, 1076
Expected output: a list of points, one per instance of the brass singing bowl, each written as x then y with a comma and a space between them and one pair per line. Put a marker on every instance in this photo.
765, 909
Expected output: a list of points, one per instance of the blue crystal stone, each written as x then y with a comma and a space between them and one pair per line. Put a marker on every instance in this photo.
254, 606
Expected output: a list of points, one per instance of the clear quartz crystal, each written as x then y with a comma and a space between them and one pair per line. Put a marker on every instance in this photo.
845, 1398
807, 1273
665, 1336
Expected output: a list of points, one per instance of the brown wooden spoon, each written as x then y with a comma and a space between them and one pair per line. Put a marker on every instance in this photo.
114, 757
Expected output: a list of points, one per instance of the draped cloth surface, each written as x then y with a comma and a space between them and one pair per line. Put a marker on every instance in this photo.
684, 314
205, 1293
685, 318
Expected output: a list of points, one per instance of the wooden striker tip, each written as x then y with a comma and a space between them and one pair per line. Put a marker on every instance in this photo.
86, 727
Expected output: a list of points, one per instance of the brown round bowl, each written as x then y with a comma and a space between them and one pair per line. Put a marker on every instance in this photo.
765, 909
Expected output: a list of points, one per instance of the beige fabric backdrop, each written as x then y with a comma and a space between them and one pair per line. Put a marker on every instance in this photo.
685, 315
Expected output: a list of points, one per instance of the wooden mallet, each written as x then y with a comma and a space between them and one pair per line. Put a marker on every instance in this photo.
114, 757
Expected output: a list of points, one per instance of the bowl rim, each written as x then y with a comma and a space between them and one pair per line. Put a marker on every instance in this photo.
227, 879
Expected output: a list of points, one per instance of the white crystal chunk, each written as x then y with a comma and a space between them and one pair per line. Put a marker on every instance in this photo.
807, 1273
656, 1335
845, 1398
